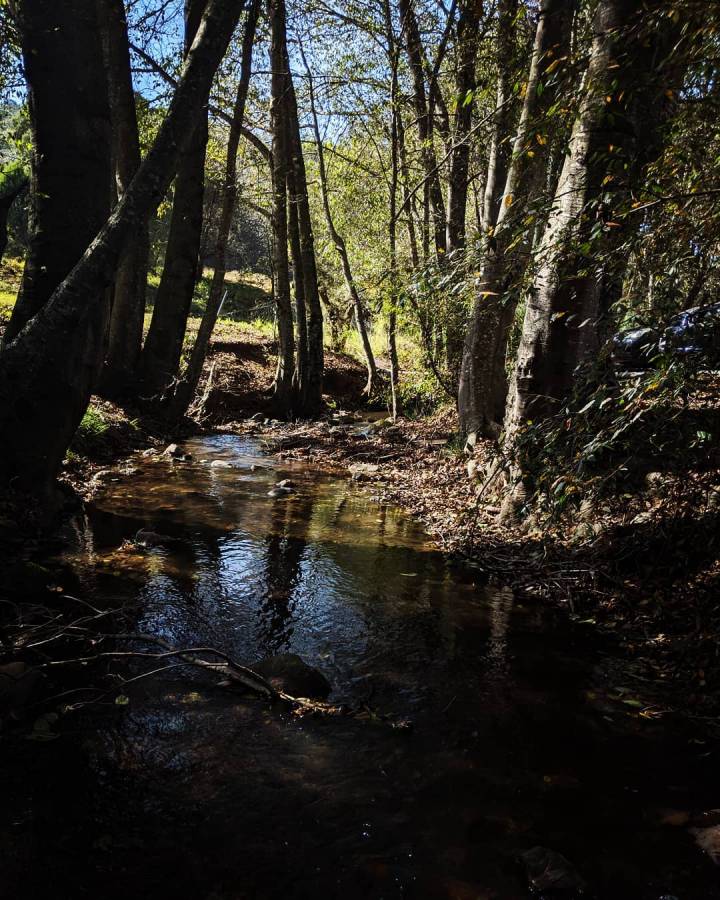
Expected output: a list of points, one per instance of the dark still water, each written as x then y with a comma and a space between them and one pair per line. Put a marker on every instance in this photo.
190, 791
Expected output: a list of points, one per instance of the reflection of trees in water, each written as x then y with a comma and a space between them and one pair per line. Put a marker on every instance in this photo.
501, 605
284, 549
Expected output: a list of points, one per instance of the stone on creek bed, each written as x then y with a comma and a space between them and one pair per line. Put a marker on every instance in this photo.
288, 673
551, 875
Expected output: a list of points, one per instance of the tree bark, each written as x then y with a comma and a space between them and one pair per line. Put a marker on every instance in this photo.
187, 386
283, 391
71, 175
607, 143
483, 383
161, 354
128, 301
310, 384
48, 371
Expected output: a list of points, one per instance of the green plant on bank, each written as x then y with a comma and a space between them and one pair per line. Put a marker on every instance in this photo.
91, 434
624, 427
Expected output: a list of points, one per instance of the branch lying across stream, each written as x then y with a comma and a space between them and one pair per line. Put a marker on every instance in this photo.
231, 671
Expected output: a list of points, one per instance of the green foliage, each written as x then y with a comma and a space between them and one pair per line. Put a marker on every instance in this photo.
91, 434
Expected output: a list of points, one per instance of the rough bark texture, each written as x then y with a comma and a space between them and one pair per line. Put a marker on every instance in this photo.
605, 147
283, 397
47, 373
128, 300
163, 345
186, 388
483, 388
71, 175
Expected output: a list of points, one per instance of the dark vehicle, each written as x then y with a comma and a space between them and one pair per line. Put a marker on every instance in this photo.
635, 349
694, 334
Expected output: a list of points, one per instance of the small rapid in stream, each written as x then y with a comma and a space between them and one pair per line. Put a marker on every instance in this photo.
190, 791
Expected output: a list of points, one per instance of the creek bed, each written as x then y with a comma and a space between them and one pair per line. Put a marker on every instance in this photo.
188, 791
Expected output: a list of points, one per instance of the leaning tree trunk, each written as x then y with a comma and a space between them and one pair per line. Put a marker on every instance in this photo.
47, 372
128, 301
483, 386
341, 247
283, 391
623, 80
161, 354
71, 162
187, 386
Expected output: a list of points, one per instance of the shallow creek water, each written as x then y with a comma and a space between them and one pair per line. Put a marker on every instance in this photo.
189, 791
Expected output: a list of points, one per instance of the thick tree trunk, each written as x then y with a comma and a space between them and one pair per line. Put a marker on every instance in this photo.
432, 190
71, 174
310, 382
161, 354
128, 301
483, 384
301, 336
186, 388
47, 372
283, 393
341, 248
623, 80
393, 197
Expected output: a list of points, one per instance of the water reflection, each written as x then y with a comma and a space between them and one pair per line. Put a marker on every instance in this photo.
189, 792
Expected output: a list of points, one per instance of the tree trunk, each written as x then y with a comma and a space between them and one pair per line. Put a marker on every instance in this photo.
623, 79
301, 352
310, 399
6, 203
467, 39
186, 388
128, 301
483, 385
432, 189
47, 372
392, 221
341, 248
161, 354
283, 393
71, 175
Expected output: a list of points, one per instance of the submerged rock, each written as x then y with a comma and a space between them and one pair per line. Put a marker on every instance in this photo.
550, 874
288, 673
286, 484
147, 538
220, 464
280, 491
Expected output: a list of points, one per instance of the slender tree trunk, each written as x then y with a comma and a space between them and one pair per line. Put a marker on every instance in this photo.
341, 248
71, 175
467, 39
301, 335
392, 223
408, 201
310, 399
609, 137
432, 189
161, 354
47, 372
283, 394
128, 302
186, 388
483, 385
6, 203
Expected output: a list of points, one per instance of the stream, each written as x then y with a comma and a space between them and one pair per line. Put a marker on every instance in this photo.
187, 790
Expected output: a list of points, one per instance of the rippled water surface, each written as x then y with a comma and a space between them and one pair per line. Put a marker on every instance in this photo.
192, 792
